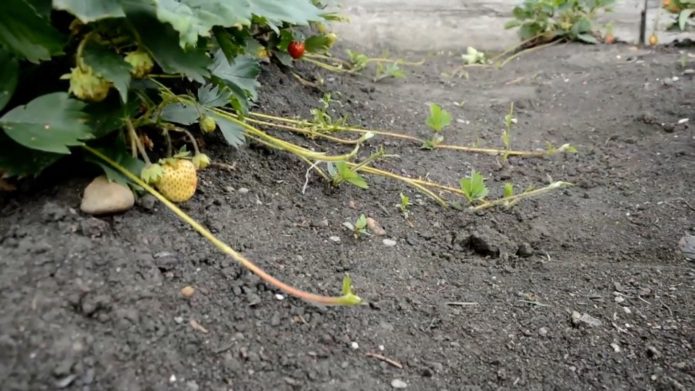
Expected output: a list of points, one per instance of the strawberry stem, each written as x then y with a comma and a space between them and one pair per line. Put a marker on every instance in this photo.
347, 299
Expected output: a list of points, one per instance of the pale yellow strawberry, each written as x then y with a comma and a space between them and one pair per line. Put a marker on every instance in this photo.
178, 181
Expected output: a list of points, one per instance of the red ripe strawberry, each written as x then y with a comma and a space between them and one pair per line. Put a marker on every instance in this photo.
296, 49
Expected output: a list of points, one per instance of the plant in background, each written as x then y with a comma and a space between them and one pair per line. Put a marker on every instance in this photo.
684, 10
542, 21
437, 120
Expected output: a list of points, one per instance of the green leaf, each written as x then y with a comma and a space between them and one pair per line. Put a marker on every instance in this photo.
9, 69
24, 32
276, 12
19, 161
240, 75
108, 115
194, 18
90, 11
361, 222
161, 41
42, 7
49, 123
180, 113
588, 38
345, 174
233, 133
213, 96
683, 18
317, 44
474, 186
110, 66
438, 118
232, 42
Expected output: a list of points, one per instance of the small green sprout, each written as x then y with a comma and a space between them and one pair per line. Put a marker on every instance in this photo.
359, 227
473, 187
509, 122
404, 206
508, 190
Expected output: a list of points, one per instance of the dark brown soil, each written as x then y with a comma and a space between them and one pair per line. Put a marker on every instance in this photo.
461, 302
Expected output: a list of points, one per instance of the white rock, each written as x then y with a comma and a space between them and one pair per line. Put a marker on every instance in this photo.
354, 345
389, 242
104, 197
399, 384
334, 239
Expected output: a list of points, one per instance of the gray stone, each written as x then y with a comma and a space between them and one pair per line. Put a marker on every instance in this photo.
585, 319
104, 197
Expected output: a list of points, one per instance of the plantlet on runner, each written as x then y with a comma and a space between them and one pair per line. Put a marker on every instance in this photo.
437, 120
341, 172
473, 187
389, 70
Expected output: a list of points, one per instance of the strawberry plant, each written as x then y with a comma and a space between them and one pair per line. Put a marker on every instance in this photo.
542, 21
684, 10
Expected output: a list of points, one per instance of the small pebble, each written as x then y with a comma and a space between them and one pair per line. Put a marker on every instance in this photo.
354, 345
627, 310
334, 239
543, 331
178, 319
375, 227
398, 384
187, 291
619, 299
243, 190
389, 242
279, 296
172, 379
615, 347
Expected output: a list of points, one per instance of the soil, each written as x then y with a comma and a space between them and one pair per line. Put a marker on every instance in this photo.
580, 289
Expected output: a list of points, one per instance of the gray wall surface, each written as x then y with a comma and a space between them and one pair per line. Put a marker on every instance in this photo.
424, 25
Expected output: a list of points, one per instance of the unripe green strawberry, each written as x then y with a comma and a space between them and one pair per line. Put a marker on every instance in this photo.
87, 85
330, 39
141, 63
178, 181
200, 161
207, 124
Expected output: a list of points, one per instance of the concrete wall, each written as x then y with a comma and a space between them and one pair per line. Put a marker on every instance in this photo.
424, 25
